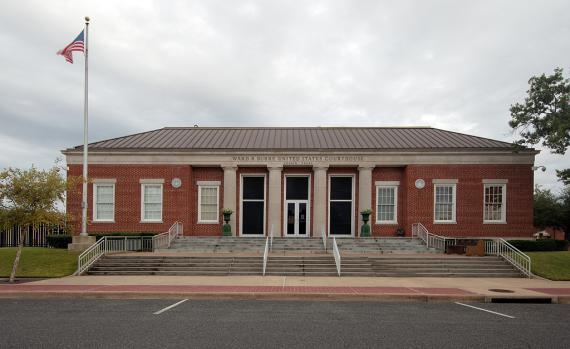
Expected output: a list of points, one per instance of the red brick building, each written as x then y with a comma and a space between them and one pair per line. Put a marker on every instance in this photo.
301, 181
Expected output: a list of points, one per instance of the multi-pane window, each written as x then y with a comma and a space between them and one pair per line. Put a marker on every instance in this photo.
444, 203
494, 206
151, 202
103, 202
386, 204
208, 204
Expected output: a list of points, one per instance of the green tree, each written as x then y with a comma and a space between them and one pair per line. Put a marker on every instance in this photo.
565, 211
547, 209
545, 115
30, 197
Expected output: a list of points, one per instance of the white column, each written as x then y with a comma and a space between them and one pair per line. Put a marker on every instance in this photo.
274, 200
320, 199
364, 193
230, 193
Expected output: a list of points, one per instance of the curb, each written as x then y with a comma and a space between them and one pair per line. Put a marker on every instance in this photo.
245, 296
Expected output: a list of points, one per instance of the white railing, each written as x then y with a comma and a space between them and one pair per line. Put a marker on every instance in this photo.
165, 239
110, 244
90, 256
336, 254
500, 247
265, 254
431, 240
271, 238
324, 237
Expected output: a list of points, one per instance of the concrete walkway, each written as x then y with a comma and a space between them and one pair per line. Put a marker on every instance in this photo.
280, 287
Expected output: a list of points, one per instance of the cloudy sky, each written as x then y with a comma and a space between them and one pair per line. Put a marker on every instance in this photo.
456, 65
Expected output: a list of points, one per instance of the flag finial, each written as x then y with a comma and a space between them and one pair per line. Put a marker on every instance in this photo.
86, 19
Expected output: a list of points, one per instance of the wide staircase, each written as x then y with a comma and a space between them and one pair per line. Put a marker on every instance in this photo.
383, 257
232, 244
443, 266
306, 265
175, 265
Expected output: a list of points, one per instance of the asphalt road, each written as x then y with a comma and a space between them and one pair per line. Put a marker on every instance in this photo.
75, 323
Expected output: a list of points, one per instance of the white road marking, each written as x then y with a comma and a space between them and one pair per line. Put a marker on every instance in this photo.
170, 307
488, 311
284, 281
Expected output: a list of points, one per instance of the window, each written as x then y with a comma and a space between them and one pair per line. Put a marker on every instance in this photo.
208, 204
494, 209
387, 204
103, 202
444, 203
151, 210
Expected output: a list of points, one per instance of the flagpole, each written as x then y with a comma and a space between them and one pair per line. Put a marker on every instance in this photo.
85, 133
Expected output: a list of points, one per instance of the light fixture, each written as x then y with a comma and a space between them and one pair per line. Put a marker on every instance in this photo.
534, 168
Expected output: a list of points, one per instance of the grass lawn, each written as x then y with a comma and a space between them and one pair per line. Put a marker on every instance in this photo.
38, 262
551, 265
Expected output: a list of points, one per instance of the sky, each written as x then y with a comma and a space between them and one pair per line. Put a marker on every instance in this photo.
455, 65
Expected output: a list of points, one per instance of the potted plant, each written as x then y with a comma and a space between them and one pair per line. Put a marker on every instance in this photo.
365, 229
227, 228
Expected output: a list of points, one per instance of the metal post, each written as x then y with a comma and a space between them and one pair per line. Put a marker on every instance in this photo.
85, 132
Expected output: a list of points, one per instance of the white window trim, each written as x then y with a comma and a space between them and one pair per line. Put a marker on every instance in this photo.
264, 203
204, 221
439, 183
395, 220
95, 185
143, 185
503, 219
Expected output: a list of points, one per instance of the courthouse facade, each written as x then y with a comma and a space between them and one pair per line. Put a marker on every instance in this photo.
301, 181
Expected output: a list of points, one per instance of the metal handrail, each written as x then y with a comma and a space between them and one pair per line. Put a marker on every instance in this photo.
110, 244
271, 238
165, 239
265, 254
336, 254
511, 254
324, 237
431, 240
90, 255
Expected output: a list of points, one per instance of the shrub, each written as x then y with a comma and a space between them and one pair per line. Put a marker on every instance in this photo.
540, 245
58, 241
122, 233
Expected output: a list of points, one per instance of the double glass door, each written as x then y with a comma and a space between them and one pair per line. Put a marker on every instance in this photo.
296, 206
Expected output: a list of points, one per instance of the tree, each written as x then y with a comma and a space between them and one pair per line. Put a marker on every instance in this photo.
545, 115
547, 209
565, 212
30, 197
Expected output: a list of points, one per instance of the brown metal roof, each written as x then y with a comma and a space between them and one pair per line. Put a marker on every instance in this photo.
297, 139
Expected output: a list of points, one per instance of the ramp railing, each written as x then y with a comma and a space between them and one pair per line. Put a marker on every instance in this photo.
514, 256
114, 244
91, 255
165, 239
336, 254
431, 240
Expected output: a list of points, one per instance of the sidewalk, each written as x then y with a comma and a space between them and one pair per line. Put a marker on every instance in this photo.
280, 287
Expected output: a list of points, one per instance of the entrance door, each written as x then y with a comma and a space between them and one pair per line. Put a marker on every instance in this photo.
296, 206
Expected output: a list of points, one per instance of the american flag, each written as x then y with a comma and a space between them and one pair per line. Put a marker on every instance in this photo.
76, 45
